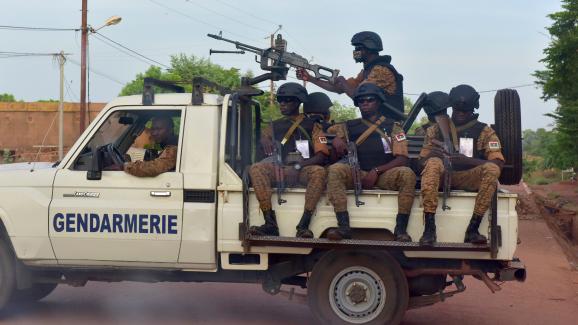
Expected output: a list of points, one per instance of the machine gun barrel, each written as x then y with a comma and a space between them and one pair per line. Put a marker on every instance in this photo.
239, 45
211, 52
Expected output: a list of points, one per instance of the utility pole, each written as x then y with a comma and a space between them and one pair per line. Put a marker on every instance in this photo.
61, 60
83, 45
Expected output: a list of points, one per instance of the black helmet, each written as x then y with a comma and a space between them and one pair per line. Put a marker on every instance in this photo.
464, 98
317, 103
367, 89
292, 89
369, 40
436, 102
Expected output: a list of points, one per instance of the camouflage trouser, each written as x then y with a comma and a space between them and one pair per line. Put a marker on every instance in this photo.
263, 175
482, 178
400, 179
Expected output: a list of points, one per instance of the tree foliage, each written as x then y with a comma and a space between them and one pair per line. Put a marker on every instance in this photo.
559, 82
5, 97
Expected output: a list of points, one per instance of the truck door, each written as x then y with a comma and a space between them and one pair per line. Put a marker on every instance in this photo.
118, 217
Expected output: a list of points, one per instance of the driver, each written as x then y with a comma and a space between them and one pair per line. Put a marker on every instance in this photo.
162, 134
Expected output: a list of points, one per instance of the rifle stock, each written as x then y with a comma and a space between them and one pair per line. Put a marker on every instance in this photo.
278, 165
443, 122
355, 171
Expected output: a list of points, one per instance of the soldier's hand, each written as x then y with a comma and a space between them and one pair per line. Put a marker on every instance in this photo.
267, 146
339, 147
302, 74
291, 176
341, 83
368, 182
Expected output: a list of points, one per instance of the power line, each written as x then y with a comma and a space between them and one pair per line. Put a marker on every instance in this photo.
69, 91
98, 73
228, 17
247, 12
39, 29
133, 51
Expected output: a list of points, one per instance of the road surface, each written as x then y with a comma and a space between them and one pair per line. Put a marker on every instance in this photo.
549, 296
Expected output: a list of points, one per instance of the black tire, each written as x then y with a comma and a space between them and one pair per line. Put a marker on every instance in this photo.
7, 274
349, 287
33, 294
509, 129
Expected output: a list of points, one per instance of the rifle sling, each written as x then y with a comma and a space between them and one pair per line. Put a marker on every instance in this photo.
294, 126
372, 128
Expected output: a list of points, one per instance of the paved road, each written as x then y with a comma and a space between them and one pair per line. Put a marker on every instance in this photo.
550, 296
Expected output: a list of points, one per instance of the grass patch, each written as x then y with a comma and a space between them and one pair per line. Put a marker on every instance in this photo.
553, 195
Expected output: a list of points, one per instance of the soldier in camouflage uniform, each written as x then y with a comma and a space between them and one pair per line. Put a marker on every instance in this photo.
377, 69
476, 167
382, 155
302, 138
317, 107
162, 133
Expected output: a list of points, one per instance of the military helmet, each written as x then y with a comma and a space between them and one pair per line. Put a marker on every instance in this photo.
368, 89
369, 40
464, 98
436, 102
317, 102
292, 89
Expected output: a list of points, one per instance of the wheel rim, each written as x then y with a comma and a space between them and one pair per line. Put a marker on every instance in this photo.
357, 295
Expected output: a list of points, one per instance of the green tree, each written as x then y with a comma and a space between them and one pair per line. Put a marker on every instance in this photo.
559, 82
342, 113
7, 98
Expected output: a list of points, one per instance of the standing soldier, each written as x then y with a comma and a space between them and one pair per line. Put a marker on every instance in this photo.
477, 165
383, 156
377, 69
304, 150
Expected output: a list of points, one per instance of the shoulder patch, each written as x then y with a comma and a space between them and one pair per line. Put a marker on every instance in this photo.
493, 145
400, 137
322, 139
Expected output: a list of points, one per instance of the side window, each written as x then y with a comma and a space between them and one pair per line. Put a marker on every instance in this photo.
131, 136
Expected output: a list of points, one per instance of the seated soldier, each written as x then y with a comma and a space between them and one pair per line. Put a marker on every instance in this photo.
382, 154
436, 103
317, 108
162, 134
477, 164
304, 150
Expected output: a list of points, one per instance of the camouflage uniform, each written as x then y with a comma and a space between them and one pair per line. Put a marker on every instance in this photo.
314, 176
378, 75
400, 179
167, 161
482, 178
421, 130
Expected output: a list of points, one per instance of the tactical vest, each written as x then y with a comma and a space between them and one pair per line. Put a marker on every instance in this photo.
371, 152
473, 132
303, 132
396, 100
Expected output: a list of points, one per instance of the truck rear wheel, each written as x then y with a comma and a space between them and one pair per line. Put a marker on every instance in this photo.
33, 294
508, 126
358, 288
7, 274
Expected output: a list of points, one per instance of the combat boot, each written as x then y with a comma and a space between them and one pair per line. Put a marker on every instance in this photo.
269, 228
303, 226
400, 231
343, 231
429, 232
472, 234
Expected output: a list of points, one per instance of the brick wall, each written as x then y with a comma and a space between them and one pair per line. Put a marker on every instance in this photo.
23, 126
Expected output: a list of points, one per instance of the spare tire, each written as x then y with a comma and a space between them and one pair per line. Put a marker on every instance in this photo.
508, 126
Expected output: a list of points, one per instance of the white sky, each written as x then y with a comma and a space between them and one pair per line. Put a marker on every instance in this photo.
434, 44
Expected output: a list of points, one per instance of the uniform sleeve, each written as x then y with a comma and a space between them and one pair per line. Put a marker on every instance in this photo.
338, 130
355, 82
319, 140
398, 141
167, 161
490, 145
383, 78
267, 132
430, 133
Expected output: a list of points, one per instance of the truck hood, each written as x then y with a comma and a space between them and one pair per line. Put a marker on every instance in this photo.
39, 174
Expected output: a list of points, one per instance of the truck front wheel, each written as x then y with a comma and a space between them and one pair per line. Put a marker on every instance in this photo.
33, 294
358, 288
7, 274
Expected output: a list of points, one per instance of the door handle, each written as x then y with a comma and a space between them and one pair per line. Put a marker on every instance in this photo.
161, 193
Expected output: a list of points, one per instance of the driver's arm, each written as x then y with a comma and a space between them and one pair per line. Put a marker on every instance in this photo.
167, 161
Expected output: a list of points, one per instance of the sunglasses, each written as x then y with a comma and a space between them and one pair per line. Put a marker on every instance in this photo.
368, 99
286, 99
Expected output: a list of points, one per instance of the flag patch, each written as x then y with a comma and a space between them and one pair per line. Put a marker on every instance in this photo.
322, 140
494, 145
400, 137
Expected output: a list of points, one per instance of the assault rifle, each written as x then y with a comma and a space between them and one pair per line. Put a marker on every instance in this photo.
281, 58
278, 165
355, 171
443, 122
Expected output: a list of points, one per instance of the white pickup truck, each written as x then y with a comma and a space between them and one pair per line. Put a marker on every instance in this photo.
73, 221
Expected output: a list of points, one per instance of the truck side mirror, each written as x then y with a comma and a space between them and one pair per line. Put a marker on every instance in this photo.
94, 172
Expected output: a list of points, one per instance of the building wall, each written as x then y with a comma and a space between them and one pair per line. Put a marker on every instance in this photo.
24, 126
